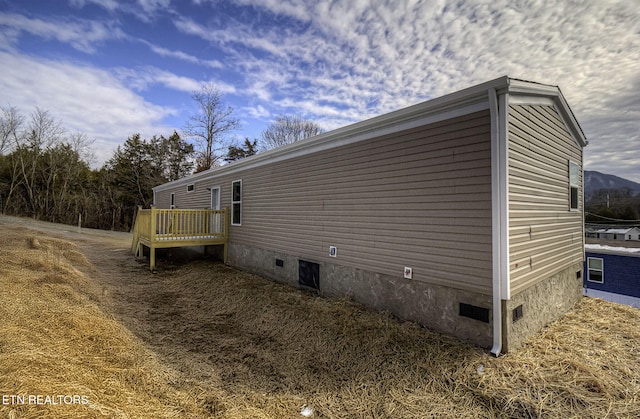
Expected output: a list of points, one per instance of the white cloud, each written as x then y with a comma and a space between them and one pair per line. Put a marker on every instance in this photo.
145, 10
84, 99
257, 112
342, 61
81, 34
109, 5
154, 5
238, 34
361, 57
181, 55
147, 77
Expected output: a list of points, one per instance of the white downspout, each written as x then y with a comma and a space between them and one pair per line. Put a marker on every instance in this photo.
496, 217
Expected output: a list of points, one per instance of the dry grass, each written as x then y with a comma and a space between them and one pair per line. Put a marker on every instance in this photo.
205, 340
587, 364
54, 341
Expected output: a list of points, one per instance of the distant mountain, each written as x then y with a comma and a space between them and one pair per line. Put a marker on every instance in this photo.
594, 181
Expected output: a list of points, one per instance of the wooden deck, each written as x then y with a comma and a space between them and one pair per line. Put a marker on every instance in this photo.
163, 228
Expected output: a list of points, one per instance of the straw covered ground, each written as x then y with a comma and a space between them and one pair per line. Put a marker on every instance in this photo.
79, 317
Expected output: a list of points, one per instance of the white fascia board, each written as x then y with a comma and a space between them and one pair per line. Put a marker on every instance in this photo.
530, 93
460, 103
355, 137
530, 100
523, 87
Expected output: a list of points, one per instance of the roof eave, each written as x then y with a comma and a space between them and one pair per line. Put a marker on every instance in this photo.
527, 88
442, 104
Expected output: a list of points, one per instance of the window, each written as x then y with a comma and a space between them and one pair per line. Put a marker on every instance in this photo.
596, 270
191, 188
173, 201
574, 185
236, 202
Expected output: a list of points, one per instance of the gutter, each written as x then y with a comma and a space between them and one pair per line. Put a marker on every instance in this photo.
496, 217
471, 99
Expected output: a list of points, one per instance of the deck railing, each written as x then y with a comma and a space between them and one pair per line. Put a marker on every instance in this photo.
157, 228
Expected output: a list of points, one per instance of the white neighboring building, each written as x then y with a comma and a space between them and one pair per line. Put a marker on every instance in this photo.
631, 233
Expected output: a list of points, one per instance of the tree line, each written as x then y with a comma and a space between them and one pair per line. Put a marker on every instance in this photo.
611, 206
45, 170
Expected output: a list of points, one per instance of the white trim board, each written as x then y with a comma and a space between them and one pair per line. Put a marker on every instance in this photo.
470, 100
612, 297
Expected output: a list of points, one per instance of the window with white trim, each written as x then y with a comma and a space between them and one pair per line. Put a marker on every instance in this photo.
596, 270
574, 185
172, 205
236, 202
191, 187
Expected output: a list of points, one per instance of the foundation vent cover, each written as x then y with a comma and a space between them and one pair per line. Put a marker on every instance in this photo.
474, 312
517, 313
309, 274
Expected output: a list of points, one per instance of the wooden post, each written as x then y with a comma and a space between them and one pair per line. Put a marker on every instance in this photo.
152, 258
152, 240
226, 236
152, 233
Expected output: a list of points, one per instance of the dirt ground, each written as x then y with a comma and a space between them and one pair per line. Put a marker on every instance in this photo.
243, 346
147, 303
234, 345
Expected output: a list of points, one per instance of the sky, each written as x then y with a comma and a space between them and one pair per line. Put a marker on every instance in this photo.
110, 69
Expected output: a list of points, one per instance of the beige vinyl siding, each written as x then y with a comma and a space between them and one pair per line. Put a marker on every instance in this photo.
544, 234
403, 200
420, 198
199, 198
162, 199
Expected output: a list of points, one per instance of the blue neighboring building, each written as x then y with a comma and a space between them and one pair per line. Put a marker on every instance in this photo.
613, 274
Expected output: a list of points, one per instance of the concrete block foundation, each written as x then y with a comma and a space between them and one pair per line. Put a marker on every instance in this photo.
541, 304
433, 306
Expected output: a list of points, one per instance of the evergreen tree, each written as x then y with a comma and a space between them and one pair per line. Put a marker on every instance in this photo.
247, 149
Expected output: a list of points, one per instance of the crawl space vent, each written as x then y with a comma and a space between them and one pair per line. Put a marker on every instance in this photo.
474, 312
309, 274
517, 313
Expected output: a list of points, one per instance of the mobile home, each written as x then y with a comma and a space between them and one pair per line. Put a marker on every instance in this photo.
621, 233
463, 213
613, 274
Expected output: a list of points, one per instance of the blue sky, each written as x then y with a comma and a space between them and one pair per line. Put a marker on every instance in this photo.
111, 68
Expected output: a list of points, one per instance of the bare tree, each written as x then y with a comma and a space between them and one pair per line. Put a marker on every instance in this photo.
42, 133
287, 129
10, 125
43, 130
82, 145
11, 122
208, 126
